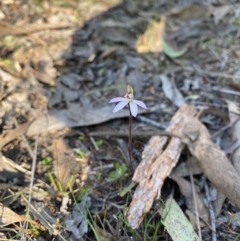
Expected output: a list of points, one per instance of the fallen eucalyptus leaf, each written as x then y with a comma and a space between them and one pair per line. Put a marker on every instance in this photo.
170, 90
176, 222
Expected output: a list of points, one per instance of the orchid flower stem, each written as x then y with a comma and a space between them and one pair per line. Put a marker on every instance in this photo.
130, 137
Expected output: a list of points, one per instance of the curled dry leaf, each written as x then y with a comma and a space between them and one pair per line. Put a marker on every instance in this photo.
65, 164
8, 216
151, 40
183, 169
186, 190
218, 203
193, 220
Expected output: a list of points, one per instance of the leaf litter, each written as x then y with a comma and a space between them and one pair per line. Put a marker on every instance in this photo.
55, 77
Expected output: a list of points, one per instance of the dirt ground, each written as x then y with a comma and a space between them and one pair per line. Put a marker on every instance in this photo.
65, 167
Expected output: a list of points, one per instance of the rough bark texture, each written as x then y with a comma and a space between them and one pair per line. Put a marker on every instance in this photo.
160, 157
157, 163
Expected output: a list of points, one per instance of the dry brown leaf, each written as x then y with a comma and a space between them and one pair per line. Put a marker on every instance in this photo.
193, 220
67, 163
186, 190
234, 115
57, 120
219, 12
13, 134
8, 216
212, 159
10, 172
156, 165
152, 39
218, 203
191, 11
64, 162
182, 170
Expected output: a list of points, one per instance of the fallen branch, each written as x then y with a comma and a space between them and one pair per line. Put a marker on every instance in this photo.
212, 160
160, 157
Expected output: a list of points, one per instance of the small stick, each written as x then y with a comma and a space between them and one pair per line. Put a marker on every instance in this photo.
130, 137
195, 203
208, 202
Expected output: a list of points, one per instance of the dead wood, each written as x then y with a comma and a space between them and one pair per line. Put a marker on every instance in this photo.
160, 157
9, 29
212, 160
156, 165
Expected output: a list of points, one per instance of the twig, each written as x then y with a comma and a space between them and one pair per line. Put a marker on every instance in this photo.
195, 202
151, 122
224, 128
16, 166
94, 143
145, 134
214, 74
34, 162
208, 202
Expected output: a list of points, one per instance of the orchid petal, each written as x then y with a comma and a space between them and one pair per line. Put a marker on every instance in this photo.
140, 103
117, 99
120, 105
133, 109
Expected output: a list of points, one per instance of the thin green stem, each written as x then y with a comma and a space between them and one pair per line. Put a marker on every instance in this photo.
130, 137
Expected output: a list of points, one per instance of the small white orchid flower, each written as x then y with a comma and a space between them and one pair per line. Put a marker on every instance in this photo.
128, 99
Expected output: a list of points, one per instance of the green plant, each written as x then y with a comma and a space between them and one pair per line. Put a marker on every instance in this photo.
81, 154
81, 138
46, 161
118, 173
83, 191
99, 142
133, 111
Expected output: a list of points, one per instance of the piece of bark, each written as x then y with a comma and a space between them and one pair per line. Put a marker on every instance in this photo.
212, 160
156, 165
